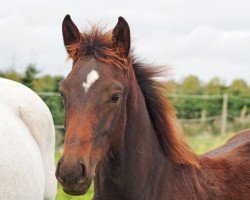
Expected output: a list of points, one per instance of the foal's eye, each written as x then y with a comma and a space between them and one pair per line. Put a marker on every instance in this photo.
115, 98
60, 93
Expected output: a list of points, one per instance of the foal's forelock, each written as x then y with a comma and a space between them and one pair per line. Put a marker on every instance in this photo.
100, 45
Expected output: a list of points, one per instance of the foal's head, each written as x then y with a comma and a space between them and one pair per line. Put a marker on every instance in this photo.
94, 95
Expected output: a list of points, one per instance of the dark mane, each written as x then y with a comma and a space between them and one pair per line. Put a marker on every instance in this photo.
99, 45
163, 115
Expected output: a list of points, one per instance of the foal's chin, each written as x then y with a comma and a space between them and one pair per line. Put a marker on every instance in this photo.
76, 190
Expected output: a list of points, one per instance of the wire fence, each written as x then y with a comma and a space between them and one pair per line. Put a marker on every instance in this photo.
197, 120
195, 96
225, 114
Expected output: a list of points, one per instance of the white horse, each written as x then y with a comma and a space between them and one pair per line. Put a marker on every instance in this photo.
27, 145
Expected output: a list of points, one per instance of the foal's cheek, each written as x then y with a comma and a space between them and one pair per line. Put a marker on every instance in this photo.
105, 115
99, 150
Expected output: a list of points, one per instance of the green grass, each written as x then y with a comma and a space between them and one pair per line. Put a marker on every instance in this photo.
200, 144
203, 143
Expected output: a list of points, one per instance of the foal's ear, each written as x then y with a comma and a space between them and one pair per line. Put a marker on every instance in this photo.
70, 32
121, 36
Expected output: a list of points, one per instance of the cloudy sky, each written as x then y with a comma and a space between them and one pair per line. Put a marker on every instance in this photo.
198, 37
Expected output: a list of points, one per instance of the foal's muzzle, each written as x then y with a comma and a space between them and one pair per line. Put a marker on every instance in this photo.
73, 177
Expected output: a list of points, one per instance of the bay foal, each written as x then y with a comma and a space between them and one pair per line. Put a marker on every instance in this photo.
121, 130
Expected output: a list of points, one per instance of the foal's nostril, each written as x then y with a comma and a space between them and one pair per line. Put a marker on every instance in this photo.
83, 175
83, 169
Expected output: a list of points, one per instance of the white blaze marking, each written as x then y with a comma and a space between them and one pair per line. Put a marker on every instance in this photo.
91, 78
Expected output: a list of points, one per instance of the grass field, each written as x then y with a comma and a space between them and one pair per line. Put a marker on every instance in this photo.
200, 144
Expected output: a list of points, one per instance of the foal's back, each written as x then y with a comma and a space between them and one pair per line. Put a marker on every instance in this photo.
240, 140
228, 167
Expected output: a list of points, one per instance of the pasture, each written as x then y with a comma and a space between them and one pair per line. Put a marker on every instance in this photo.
200, 144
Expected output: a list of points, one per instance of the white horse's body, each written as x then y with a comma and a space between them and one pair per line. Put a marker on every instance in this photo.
27, 144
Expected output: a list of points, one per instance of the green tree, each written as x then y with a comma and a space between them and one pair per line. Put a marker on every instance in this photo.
29, 76
213, 106
47, 83
214, 86
12, 75
239, 87
51, 84
241, 91
188, 107
191, 85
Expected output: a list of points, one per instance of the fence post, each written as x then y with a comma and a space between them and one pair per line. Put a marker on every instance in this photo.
224, 114
203, 116
243, 113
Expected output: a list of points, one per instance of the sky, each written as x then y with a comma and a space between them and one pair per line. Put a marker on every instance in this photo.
192, 37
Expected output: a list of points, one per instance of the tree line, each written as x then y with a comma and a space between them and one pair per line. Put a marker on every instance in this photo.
186, 107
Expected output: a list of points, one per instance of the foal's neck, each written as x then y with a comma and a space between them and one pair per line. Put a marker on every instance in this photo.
143, 159
147, 172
